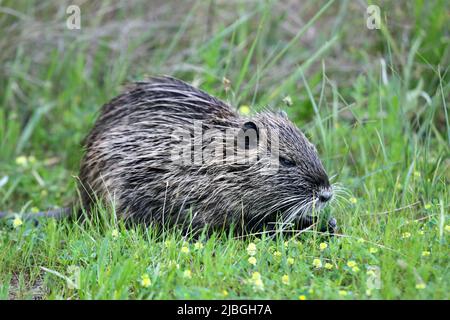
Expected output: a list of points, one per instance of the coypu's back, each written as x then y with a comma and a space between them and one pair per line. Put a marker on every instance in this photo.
129, 161
159, 97
130, 143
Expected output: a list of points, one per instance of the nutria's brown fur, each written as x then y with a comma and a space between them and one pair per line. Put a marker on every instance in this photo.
128, 162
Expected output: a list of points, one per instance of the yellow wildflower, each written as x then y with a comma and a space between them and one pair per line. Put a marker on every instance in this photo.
185, 249
351, 263
252, 260
22, 161
244, 110
421, 286
302, 297
34, 210
288, 101
425, 253
373, 250
256, 275
317, 263
145, 281
342, 293
258, 284
290, 261
353, 200
285, 279
328, 266
187, 274
251, 249
198, 245
115, 233
17, 222
447, 228
224, 293
427, 206
323, 246
277, 254
355, 269
257, 281
406, 235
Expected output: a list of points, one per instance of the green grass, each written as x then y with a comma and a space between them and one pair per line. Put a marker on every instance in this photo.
385, 139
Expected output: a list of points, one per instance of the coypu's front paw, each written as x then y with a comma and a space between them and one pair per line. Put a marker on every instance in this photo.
330, 227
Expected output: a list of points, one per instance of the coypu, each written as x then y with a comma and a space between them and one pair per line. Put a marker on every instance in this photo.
251, 172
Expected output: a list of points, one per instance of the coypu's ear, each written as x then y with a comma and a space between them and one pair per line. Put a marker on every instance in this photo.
250, 125
248, 135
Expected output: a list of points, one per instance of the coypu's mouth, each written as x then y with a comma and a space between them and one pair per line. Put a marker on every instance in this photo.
304, 214
314, 215
301, 222
307, 221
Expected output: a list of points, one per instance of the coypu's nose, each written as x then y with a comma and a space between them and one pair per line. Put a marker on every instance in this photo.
325, 196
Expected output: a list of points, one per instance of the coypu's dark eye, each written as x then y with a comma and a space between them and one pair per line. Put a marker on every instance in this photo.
286, 162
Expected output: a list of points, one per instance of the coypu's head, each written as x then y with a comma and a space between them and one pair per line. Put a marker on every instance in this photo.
284, 180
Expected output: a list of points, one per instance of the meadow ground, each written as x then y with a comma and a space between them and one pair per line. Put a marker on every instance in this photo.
375, 102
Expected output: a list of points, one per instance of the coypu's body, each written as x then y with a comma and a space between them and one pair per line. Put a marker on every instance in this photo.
128, 161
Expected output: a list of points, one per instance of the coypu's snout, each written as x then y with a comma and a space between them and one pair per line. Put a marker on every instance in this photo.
325, 195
